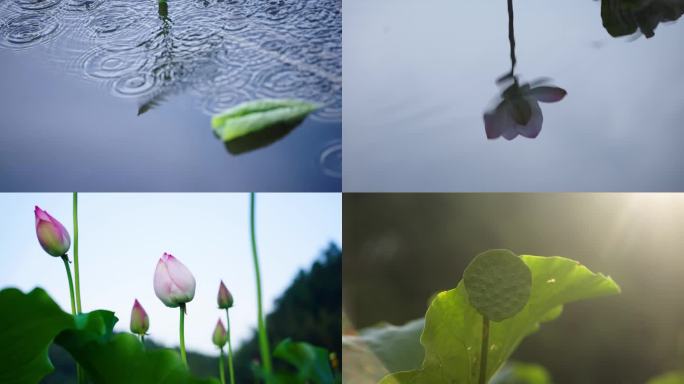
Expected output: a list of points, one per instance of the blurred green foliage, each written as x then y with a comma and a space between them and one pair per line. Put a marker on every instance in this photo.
37, 321
309, 310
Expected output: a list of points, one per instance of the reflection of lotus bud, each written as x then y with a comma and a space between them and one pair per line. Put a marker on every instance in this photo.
173, 283
140, 322
220, 336
225, 299
52, 235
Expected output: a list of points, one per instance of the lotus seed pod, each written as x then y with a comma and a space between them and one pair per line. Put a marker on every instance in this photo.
498, 283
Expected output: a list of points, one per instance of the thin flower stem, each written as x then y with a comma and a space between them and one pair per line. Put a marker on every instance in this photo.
263, 337
221, 373
230, 350
484, 349
76, 275
182, 334
511, 35
71, 284
79, 375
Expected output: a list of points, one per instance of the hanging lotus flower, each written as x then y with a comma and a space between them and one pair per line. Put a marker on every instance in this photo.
519, 113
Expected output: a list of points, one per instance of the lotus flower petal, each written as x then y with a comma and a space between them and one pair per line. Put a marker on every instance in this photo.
534, 125
548, 94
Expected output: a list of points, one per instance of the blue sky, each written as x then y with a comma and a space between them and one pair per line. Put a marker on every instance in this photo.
122, 236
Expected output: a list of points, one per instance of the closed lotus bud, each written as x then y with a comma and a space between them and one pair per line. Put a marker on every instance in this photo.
220, 336
140, 322
225, 299
52, 235
174, 285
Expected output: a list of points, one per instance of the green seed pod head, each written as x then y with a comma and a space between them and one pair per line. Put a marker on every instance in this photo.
498, 284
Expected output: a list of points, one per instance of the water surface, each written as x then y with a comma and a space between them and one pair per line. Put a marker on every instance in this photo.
419, 76
118, 94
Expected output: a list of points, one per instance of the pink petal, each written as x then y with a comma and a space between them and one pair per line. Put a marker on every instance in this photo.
534, 126
163, 284
181, 276
548, 94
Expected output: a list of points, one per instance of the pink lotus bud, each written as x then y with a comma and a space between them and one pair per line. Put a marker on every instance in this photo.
173, 282
220, 337
225, 299
140, 322
52, 235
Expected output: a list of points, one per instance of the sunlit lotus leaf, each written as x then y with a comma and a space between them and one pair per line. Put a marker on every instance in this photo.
452, 334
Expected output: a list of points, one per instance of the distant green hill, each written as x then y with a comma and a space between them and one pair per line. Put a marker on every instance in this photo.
309, 310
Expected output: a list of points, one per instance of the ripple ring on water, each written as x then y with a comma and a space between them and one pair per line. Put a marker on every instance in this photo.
27, 30
134, 85
330, 160
104, 64
36, 5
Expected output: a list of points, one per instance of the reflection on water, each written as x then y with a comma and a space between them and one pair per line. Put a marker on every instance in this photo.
624, 17
519, 113
175, 67
423, 74
224, 52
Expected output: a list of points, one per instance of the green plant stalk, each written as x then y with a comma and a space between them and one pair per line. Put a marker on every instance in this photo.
77, 292
221, 373
230, 351
71, 284
76, 274
65, 259
182, 334
263, 337
484, 349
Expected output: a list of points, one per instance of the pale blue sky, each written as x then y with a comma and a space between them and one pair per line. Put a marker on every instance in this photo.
122, 236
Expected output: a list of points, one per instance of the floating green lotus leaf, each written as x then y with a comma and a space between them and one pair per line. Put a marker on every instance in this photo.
255, 116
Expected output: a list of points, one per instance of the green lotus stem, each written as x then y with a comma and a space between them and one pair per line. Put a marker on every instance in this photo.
76, 275
221, 373
71, 284
230, 350
65, 259
142, 340
263, 337
484, 349
182, 334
